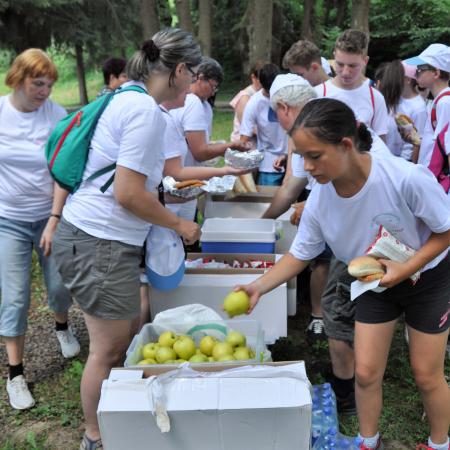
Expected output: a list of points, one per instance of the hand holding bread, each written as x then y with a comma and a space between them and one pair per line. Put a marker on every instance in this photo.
407, 129
366, 268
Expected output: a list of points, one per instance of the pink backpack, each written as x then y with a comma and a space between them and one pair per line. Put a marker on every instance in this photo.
439, 161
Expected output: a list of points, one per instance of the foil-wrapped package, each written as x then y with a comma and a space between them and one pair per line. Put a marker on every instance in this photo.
243, 160
219, 185
187, 193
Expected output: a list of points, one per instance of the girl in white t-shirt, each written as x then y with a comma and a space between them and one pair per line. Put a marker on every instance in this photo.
27, 118
98, 244
357, 192
395, 80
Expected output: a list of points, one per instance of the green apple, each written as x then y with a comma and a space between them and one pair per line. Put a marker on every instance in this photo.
146, 361
211, 359
226, 358
236, 339
181, 360
241, 353
207, 344
167, 339
164, 354
198, 358
236, 303
149, 350
184, 347
222, 349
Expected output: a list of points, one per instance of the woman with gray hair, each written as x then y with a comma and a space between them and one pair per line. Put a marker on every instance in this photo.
98, 243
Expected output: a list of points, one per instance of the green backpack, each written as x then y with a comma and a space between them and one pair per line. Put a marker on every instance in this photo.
67, 148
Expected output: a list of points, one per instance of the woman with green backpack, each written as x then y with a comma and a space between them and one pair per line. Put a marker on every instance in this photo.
98, 243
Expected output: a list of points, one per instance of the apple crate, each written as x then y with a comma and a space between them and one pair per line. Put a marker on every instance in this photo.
219, 329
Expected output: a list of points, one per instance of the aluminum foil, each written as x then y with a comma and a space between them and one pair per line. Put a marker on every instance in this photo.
219, 185
243, 160
187, 193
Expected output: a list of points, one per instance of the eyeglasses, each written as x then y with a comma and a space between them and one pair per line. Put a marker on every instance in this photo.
421, 69
192, 72
213, 85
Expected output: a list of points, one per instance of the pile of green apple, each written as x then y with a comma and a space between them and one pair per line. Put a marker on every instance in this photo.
173, 349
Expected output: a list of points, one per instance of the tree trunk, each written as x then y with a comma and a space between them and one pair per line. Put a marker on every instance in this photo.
150, 18
183, 9
260, 30
205, 25
80, 74
360, 15
308, 20
341, 12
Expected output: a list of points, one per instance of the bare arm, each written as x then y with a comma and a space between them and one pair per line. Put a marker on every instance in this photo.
202, 150
173, 168
286, 194
398, 272
239, 110
59, 199
285, 269
129, 191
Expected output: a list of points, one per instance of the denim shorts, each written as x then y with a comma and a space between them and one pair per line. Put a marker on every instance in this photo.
270, 178
17, 241
102, 276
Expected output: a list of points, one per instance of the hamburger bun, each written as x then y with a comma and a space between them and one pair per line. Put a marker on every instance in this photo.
366, 268
403, 121
189, 184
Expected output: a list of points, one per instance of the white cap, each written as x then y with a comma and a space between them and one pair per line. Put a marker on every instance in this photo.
435, 55
286, 79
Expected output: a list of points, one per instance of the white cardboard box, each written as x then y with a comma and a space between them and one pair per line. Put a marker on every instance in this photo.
210, 286
212, 413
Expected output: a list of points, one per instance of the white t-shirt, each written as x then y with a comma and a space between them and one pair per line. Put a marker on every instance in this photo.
415, 108
271, 138
129, 132
175, 146
195, 115
429, 135
26, 187
373, 115
403, 197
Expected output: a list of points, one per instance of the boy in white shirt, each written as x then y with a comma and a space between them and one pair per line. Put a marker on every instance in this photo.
351, 86
271, 138
433, 72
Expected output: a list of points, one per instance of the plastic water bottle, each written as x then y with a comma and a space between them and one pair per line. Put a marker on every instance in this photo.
327, 440
329, 419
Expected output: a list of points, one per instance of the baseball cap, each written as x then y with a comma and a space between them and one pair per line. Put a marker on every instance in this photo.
410, 71
281, 81
435, 55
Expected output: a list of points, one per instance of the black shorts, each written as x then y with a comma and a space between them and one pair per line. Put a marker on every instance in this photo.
425, 304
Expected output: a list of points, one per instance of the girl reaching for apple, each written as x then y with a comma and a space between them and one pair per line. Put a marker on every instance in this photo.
356, 192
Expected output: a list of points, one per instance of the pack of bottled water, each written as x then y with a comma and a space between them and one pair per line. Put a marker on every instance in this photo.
325, 424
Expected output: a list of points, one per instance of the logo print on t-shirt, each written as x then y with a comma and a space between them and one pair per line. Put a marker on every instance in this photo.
390, 221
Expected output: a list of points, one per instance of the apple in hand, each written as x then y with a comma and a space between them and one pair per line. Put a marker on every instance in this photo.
164, 354
236, 303
184, 347
167, 339
236, 338
207, 344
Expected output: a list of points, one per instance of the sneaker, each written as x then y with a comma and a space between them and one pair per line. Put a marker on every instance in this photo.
379, 446
19, 395
89, 444
346, 406
315, 331
70, 347
425, 447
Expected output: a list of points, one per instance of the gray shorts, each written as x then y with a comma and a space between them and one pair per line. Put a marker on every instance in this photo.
338, 311
102, 276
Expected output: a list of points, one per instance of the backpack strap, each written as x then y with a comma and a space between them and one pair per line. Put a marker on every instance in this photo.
112, 166
445, 165
372, 99
433, 109
324, 89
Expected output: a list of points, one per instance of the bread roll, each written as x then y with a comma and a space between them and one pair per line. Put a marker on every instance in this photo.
189, 183
248, 182
366, 268
238, 187
403, 121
